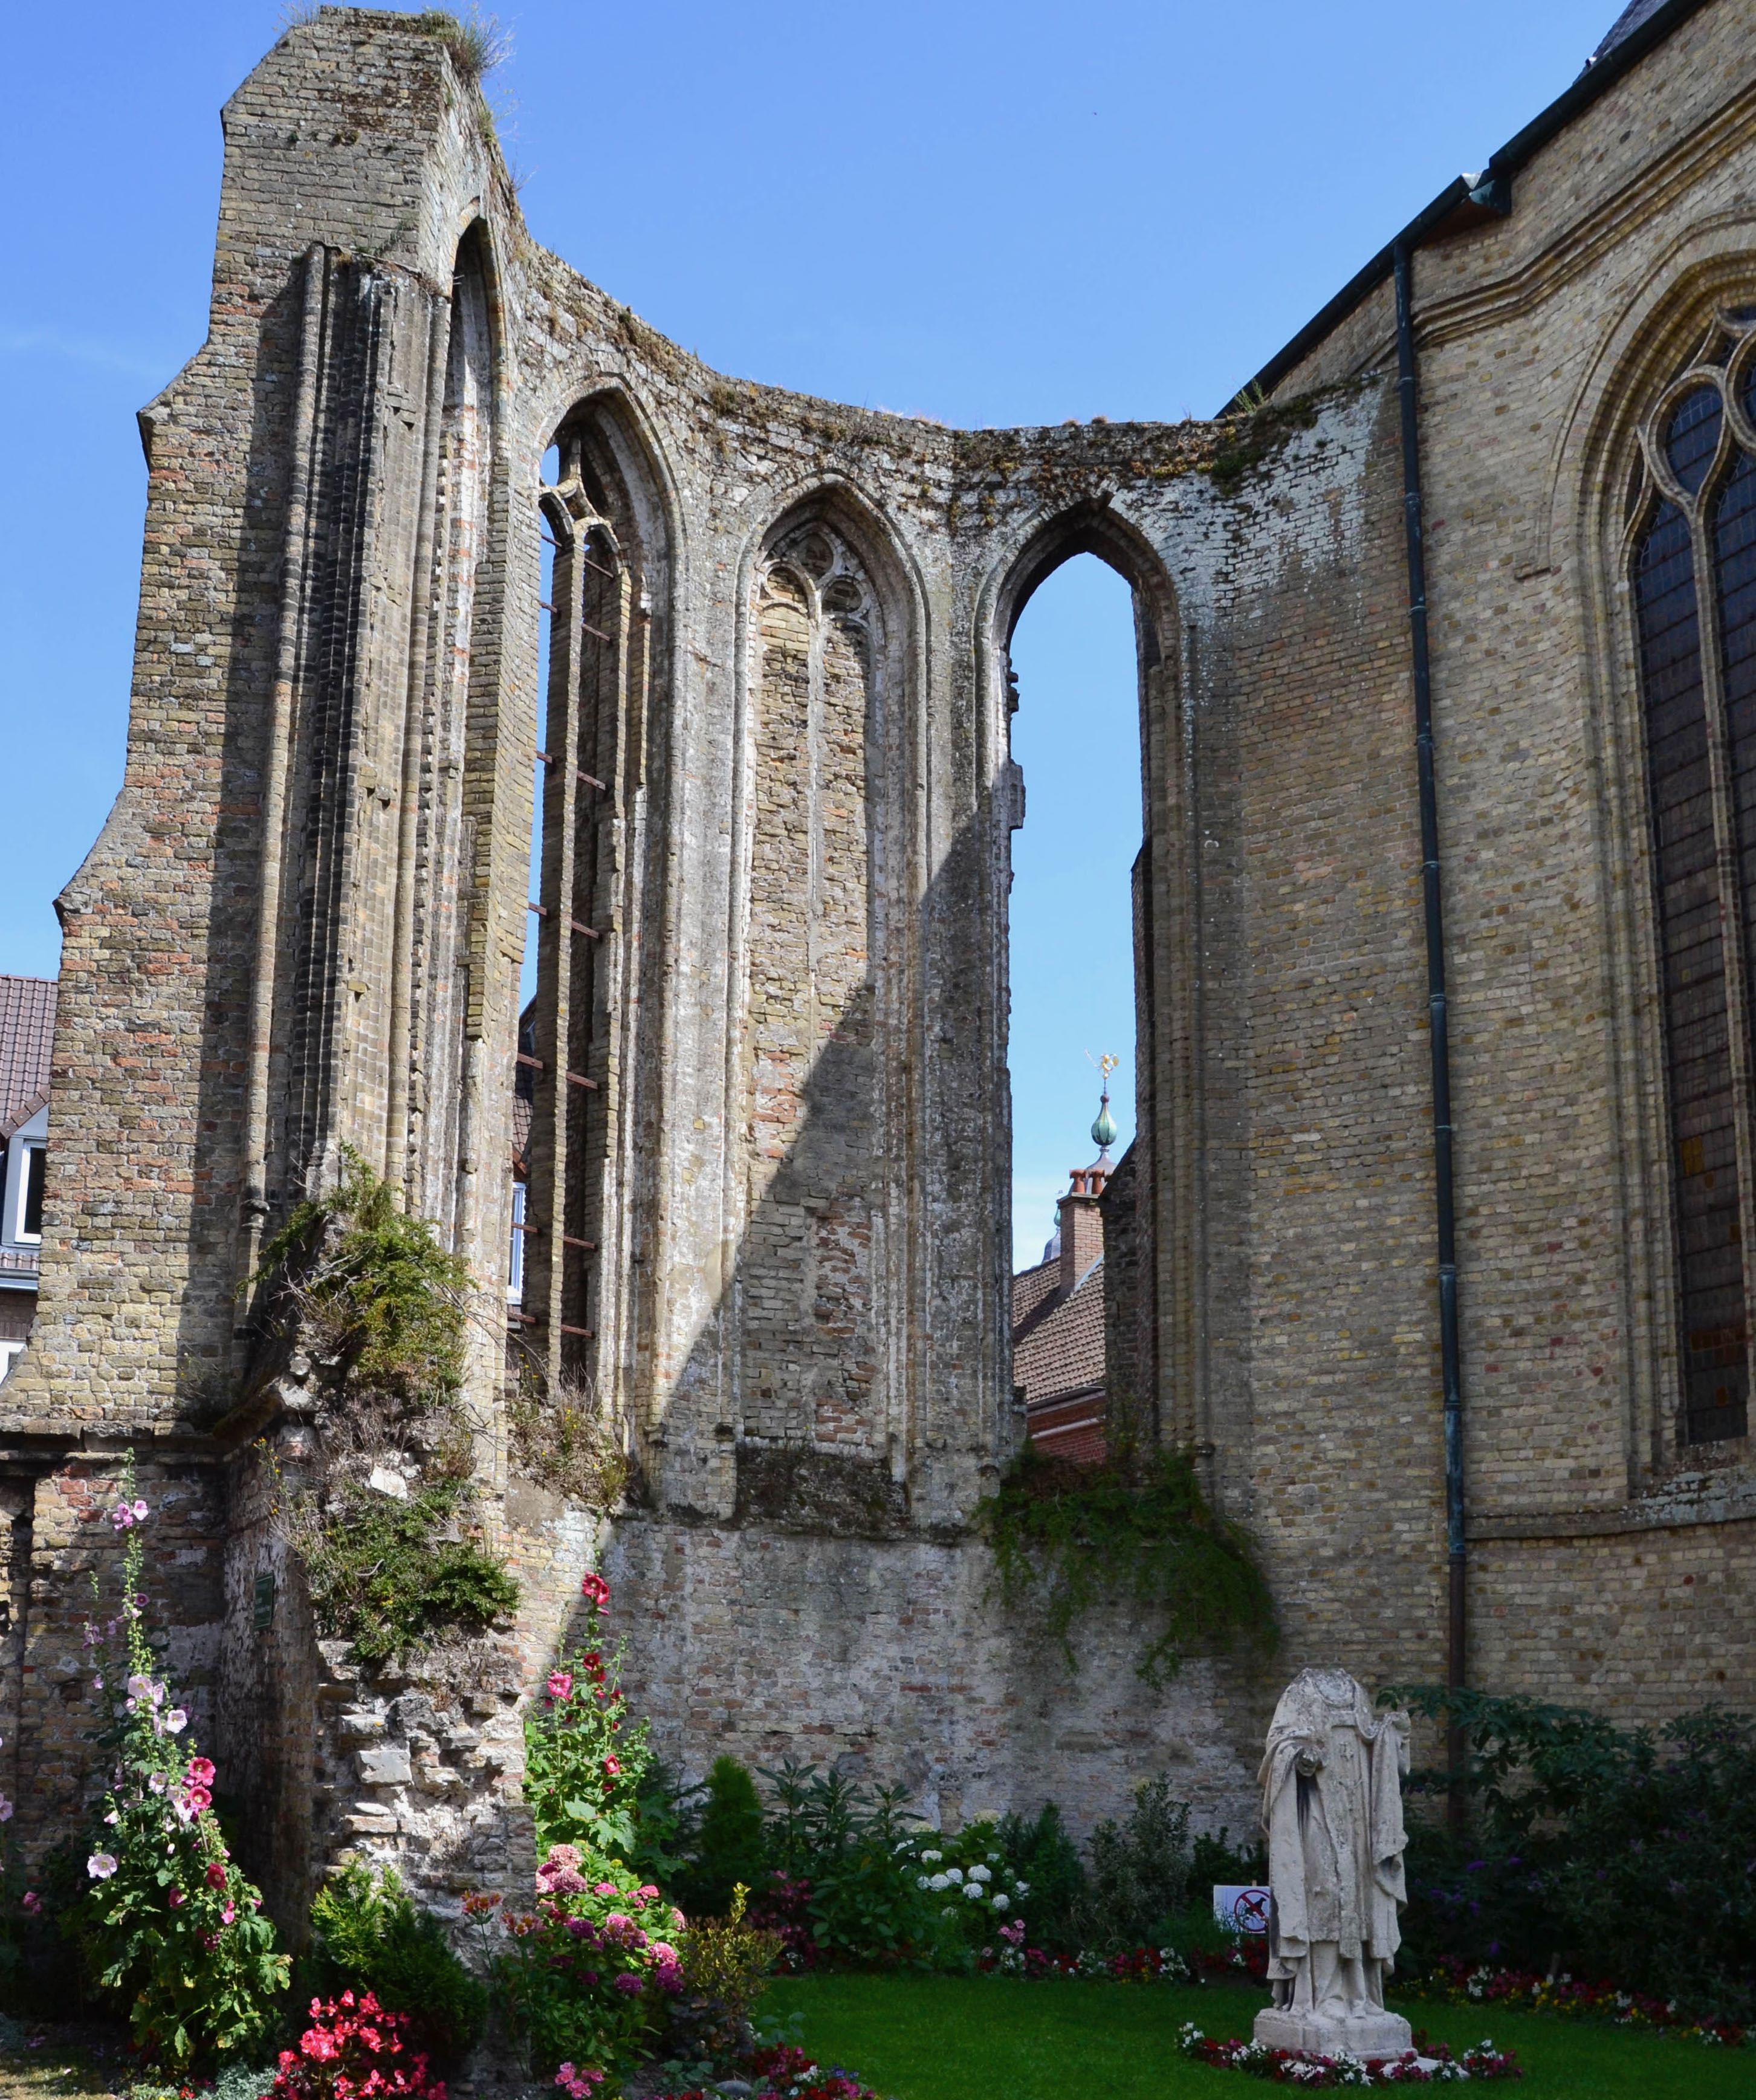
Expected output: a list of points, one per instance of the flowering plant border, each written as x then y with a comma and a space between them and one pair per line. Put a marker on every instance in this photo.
1433, 2065
1453, 1981
780, 2072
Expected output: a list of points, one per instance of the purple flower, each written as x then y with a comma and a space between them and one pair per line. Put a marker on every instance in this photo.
630, 1985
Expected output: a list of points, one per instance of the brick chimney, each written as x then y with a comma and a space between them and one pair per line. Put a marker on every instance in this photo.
1081, 1223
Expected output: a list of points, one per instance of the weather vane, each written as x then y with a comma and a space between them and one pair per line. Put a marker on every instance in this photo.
1104, 1130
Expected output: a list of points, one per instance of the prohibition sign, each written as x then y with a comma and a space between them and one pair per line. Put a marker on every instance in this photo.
1250, 1912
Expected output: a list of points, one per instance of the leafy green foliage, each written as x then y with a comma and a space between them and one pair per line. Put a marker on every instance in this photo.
1620, 1853
730, 1846
1140, 1873
368, 1934
1144, 1535
968, 1874
845, 1847
382, 1302
585, 1761
380, 1309
167, 1925
727, 1962
382, 1576
1045, 1859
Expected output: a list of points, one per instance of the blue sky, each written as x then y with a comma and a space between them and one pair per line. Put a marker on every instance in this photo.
989, 213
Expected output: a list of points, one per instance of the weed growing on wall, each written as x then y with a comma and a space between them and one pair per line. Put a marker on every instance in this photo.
1076, 1535
559, 1438
366, 1304
383, 1574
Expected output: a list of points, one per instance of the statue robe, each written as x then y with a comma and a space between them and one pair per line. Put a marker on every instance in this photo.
1332, 1806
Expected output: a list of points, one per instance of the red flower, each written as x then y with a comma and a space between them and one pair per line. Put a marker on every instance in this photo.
611, 1767
596, 1592
216, 1875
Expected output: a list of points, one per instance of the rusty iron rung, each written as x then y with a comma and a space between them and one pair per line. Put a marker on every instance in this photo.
579, 1079
598, 566
543, 759
598, 632
524, 1319
540, 909
519, 1226
536, 1063
589, 1246
589, 779
590, 933
585, 1334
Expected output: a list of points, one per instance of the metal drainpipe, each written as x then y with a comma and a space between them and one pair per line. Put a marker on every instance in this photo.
1443, 1188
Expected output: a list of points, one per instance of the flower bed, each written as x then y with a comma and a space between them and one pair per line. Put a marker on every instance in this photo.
1432, 2064
1453, 1982
1247, 1963
785, 2073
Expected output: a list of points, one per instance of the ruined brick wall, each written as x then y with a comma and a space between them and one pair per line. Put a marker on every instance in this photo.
771, 1125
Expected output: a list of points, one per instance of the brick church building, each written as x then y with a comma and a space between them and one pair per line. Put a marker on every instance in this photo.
1434, 1241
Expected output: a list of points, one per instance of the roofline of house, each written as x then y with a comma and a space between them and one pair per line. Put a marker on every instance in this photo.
1472, 200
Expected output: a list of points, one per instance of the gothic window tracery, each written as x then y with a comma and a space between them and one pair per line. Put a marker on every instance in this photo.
1693, 531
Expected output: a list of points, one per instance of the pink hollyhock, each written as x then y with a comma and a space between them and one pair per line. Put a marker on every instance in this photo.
560, 1683
203, 1770
596, 1592
216, 1875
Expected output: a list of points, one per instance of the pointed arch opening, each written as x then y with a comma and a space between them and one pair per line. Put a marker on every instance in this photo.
1092, 895
604, 563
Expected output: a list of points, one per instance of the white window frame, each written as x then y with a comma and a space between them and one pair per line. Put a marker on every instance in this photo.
28, 1151
10, 1353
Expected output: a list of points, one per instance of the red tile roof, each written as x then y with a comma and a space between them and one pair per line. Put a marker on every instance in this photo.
27, 1028
1057, 1343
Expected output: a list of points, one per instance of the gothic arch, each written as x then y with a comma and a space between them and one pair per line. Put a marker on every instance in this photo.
820, 1196
1605, 493
1163, 1393
589, 1054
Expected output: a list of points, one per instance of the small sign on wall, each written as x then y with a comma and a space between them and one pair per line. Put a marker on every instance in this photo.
1240, 1909
263, 1602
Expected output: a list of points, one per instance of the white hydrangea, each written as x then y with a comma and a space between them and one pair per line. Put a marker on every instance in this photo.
1022, 1887
954, 1874
933, 1859
1002, 1901
974, 1891
923, 1881
980, 1874
940, 1882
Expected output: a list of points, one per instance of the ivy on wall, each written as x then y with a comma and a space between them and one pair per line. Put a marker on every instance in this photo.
1140, 1532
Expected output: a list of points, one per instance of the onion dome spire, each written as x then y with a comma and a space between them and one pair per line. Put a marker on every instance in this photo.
1104, 1129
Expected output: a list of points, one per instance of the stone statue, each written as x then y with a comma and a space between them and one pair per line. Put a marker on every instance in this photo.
1332, 1806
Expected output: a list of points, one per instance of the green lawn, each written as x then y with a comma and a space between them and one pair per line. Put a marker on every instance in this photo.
1000, 2038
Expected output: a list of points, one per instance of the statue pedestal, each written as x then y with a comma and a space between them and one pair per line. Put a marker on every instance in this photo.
1317, 2034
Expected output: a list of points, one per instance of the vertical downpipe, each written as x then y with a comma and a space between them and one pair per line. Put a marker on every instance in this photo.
1444, 1202
278, 741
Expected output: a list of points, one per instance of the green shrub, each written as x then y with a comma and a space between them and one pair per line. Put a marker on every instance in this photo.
1618, 1854
1140, 1874
726, 1965
1136, 1531
848, 1846
368, 1934
728, 1844
1046, 1860
968, 1873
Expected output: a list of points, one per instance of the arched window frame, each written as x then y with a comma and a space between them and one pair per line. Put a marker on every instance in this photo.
1693, 576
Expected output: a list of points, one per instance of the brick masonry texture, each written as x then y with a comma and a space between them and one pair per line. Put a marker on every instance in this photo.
303, 924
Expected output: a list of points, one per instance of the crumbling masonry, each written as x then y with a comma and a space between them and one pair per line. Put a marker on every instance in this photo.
769, 1129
